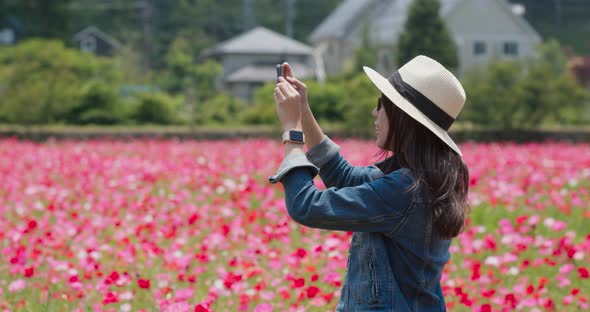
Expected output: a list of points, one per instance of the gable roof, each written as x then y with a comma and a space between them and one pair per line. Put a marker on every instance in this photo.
340, 20
260, 40
520, 21
388, 16
93, 30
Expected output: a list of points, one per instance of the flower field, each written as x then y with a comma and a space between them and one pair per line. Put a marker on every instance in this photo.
195, 226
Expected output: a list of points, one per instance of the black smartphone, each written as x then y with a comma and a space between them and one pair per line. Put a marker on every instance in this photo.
279, 71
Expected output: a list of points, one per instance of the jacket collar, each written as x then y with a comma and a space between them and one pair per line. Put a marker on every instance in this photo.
388, 162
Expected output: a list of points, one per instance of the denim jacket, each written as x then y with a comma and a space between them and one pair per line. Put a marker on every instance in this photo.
396, 258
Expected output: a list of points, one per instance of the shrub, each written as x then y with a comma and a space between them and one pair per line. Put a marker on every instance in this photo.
157, 108
221, 109
98, 105
510, 94
42, 80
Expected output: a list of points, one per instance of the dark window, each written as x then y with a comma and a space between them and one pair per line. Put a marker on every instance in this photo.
479, 48
511, 48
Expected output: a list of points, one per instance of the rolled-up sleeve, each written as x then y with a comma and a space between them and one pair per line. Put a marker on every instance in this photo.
382, 205
290, 162
335, 170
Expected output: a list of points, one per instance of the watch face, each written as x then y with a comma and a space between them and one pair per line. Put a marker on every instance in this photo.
296, 135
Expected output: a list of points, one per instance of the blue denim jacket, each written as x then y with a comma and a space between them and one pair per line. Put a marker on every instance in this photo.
396, 258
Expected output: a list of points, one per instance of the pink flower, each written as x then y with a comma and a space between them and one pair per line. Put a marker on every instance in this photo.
566, 268
263, 307
17, 285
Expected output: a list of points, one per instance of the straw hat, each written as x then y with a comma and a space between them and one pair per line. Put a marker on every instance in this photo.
426, 91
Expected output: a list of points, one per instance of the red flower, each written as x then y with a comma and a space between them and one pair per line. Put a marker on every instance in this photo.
301, 253
114, 276
548, 304
488, 293
110, 298
314, 277
530, 289
476, 274
201, 308
511, 300
583, 272
299, 282
143, 283
29, 272
486, 308
312, 291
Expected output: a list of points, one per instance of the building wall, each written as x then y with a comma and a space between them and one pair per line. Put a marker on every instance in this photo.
474, 21
233, 62
486, 24
336, 53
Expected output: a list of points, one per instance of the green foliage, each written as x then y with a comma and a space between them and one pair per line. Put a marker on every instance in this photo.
366, 54
426, 33
98, 105
538, 92
490, 94
42, 81
220, 109
157, 108
362, 98
347, 101
264, 109
183, 74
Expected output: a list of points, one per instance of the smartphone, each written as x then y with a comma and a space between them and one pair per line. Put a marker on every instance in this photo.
279, 71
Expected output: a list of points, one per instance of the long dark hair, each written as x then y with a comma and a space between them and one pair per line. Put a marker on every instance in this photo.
440, 171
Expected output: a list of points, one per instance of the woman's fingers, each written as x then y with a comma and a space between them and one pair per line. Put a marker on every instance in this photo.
279, 94
287, 70
297, 83
287, 88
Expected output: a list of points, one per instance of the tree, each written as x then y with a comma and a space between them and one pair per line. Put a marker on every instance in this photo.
42, 81
426, 33
537, 92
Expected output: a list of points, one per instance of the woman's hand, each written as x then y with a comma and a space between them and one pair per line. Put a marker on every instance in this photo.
311, 128
299, 86
288, 102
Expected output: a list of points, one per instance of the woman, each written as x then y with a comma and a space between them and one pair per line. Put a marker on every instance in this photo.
405, 210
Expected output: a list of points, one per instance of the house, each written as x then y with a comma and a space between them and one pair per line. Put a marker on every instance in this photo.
482, 29
93, 40
10, 30
580, 68
249, 60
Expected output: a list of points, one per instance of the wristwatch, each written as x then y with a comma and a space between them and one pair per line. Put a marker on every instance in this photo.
293, 136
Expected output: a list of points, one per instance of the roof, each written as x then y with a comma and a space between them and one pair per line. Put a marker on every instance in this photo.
93, 30
389, 17
265, 73
390, 24
260, 40
340, 20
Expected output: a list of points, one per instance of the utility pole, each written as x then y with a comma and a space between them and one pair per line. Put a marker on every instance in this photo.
249, 18
558, 12
290, 17
146, 19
